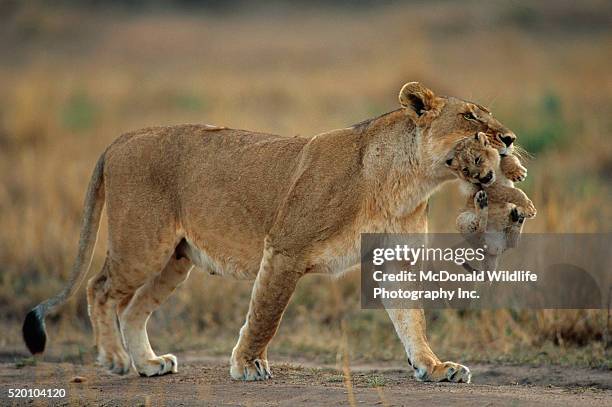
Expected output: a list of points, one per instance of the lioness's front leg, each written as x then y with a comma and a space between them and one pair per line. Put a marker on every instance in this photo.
410, 327
274, 285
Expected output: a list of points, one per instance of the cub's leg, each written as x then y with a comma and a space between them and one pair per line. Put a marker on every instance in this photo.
410, 327
474, 220
499, 193
467, 222
274, 285
512, 169
481, 203
135, 315
102, 310
515, 227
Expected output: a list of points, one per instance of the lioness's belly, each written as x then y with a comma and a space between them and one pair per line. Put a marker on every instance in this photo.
242, 262
230, 258
231, 263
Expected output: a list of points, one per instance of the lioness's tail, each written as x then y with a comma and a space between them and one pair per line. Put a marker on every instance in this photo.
34, 333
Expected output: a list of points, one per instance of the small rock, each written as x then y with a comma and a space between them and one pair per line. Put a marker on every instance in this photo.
78, 379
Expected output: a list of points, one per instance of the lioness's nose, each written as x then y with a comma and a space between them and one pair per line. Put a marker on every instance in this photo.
507, 138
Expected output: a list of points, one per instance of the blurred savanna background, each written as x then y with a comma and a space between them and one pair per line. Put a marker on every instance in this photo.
75, 75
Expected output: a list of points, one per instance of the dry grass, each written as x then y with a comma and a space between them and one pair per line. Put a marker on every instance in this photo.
72, 81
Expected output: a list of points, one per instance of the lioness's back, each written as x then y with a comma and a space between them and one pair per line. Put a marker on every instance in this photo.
206, 178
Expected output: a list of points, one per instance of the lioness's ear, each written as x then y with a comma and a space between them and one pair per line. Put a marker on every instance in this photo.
417, 98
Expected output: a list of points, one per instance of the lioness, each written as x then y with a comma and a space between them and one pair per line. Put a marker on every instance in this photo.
495, 209
253, 205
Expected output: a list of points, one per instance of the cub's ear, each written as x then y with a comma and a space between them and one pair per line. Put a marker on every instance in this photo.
450, 157
480, 136
418, 99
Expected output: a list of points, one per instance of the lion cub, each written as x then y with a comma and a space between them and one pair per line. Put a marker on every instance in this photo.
495, 210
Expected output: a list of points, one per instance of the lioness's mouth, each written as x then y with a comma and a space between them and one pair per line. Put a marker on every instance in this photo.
504, 151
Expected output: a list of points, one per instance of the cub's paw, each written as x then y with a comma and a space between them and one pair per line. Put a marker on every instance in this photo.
117, 362
530, 210
444, 372
481, 200
257, 369
158, 366
516, 173
517, 216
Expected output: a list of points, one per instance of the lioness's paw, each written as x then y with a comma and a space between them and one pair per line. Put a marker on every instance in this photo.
158, 366
445, 372
257, 369
115, 362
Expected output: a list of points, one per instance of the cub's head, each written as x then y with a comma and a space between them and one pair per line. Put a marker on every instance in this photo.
474, 160
445, 120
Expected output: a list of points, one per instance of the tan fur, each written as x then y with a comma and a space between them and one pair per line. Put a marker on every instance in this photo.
495, 209
269, 208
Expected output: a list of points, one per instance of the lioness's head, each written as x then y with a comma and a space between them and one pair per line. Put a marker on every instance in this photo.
474, 160
448, 119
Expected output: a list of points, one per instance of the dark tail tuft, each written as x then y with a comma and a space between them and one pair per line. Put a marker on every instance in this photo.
34, 333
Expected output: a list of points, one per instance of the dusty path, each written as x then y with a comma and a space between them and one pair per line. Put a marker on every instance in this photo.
205, 381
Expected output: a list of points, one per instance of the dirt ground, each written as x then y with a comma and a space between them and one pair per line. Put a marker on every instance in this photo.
205, 381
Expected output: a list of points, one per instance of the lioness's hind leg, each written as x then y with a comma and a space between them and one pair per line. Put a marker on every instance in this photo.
135, 315
274, 285
103, 316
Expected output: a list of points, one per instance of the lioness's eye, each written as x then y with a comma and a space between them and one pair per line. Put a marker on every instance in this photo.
466, 171
469, 116
478, 160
